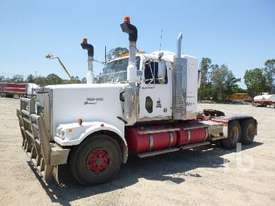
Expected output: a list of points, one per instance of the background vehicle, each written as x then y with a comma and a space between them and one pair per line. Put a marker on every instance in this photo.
145, 107
264, 100
239, 98
17, 89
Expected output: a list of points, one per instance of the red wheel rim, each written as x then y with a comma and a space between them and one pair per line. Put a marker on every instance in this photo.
98, 160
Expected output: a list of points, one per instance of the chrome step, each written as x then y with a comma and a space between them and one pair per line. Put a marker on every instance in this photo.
149, 154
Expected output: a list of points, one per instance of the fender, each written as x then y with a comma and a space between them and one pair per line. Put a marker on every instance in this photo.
226, 119
72, 134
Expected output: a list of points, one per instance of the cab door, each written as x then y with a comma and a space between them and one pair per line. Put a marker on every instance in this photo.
155, 94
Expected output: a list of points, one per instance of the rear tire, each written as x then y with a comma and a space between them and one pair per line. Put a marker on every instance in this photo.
96, 160
234, 135
248, 131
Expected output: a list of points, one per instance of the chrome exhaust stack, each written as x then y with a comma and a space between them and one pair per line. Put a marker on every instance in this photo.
179, 84
179, 40
131, 30
90, 50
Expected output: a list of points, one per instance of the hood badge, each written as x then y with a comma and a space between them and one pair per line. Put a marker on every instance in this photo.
93, 100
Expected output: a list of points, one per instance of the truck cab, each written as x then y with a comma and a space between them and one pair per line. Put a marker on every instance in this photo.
155, 82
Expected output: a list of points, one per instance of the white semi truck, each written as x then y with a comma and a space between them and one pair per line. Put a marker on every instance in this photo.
144, 105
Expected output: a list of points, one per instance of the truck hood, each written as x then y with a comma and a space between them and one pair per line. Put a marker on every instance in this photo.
90, 102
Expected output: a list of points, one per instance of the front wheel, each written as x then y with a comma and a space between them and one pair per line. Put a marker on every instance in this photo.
96, 160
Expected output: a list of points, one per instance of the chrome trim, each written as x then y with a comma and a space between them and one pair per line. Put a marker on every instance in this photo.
218, 138
151, 142
194, 145
171, 138
130, 104
179, 85
158, 131
195, 127
189, 135
149, 154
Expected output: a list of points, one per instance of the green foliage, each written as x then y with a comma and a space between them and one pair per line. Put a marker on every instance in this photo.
256, 82
30, 78
2, 78
206, 92
74, 80
259, 80
17, 78
223, 82
269, 72
205, 67
41, 80
54, 79
217, 82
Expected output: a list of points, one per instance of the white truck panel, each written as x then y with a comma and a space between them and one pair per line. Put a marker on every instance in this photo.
74, 133
95, 102
192, 87
31, 89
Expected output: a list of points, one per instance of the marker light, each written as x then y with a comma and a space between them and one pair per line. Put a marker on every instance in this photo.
126, 19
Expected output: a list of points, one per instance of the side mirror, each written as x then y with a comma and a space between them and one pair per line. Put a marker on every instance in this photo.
162, 72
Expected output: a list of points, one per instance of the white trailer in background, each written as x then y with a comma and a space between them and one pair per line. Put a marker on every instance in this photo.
143, 105
264, 100
17, 89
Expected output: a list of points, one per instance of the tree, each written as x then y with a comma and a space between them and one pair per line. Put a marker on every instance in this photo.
17, 78
223, 81
84, 80
204, 68
30, 78
40, 80
269, 72
73, 80
2, 78
255, 81
205, 90
53, 79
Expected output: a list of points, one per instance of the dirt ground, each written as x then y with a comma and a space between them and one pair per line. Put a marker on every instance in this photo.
210, 176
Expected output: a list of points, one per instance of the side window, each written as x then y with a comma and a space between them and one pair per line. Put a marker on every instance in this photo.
155, 72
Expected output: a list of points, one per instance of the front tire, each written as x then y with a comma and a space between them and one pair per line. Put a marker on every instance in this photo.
96, 160
234, 135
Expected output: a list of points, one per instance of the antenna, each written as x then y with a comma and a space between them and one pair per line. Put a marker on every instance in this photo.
160, 43
105, 54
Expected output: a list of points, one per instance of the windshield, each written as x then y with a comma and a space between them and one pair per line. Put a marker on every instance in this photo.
115, 71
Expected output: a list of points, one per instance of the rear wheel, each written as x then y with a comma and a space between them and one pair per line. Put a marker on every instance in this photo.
96, 160
248, 131
234, 135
